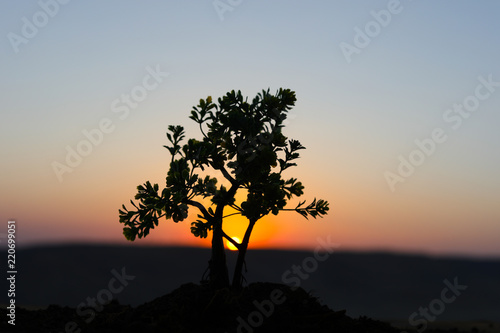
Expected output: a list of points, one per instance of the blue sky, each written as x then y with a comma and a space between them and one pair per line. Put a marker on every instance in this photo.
354, 117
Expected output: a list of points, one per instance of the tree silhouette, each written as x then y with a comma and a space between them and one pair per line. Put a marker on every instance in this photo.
243, 141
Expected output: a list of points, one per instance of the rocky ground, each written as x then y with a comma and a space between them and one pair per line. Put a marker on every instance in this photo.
260, 307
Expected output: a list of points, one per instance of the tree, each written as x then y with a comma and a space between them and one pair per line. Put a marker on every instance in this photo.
243, 141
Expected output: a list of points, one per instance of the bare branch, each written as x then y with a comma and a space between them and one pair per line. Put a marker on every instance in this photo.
202, 208
201, 129
227, 175
232, 241
238, 213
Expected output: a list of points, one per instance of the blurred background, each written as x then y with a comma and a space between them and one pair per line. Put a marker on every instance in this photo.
89, 88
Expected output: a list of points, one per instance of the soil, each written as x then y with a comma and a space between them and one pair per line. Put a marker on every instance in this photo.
260, 307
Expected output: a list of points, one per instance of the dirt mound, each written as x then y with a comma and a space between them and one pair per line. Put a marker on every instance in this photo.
260, 307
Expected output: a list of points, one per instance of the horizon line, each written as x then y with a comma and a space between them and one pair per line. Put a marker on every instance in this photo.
374, 250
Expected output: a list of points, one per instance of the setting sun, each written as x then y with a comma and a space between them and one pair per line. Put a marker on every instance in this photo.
230, 245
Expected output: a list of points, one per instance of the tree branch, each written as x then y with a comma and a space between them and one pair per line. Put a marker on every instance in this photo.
227, 175
201, 129
238, 213
230, 194
232, 241
236, 207
202, 208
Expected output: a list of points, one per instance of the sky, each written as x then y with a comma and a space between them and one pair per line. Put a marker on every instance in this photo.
397, 104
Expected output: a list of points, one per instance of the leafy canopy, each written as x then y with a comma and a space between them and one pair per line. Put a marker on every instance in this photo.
242, 140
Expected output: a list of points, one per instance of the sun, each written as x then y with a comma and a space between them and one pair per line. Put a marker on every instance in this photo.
230, 245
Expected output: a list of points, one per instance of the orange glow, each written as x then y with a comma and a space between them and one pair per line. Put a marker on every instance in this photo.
230, 245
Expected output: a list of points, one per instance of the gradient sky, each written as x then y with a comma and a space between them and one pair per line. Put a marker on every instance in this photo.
357, 115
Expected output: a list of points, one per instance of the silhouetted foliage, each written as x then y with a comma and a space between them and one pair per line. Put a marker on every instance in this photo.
244, 142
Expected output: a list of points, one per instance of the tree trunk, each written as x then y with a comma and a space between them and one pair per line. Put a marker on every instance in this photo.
219, 277
238, 270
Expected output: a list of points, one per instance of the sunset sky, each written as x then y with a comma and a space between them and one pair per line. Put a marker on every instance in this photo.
398, 104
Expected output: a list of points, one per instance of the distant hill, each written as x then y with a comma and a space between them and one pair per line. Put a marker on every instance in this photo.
379, 285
